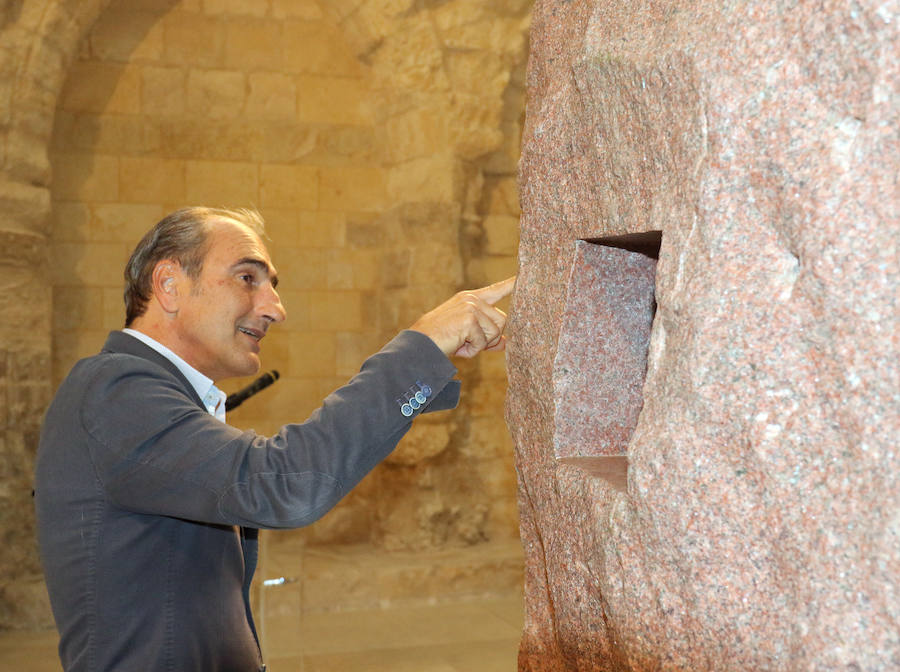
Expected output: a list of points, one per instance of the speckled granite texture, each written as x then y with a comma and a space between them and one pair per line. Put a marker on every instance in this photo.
760, 525
601, 355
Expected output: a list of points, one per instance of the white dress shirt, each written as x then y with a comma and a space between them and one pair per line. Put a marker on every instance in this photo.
213, 398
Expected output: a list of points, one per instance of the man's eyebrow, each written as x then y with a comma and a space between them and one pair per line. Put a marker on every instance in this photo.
261, 265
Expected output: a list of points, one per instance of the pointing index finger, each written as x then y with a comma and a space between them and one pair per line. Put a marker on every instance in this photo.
493, 293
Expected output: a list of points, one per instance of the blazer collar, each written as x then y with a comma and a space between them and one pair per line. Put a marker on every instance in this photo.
121, 342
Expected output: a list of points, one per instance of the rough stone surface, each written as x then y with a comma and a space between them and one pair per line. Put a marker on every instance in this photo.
759, 526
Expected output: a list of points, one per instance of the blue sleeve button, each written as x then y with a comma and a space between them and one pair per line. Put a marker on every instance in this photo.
420, 397
407, 410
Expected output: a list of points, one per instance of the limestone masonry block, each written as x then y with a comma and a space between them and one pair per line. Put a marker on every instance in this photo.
338, 310
283, 186
254, 44
291, 9
352, 269
312, 353
85, 176
348, 143
321, 229
434, 178
476, 120
216, 94
420, 132
395, 269
415, 63
127, 35
506, 158
195, 39
425, 258
342, 100
77, 307
103, 87
502, 234
305, 267
424, 441
108, 134
352, 350
391, 8
151, 180
501, 195
222, 183
317, 48
163, 90
152, 6
209, 138
284, 141
122, 223
479, 72
113, 308
239, 8
296, 304
497, 268
341, 9
25, 207
281, 225
354, 188
363, 232
425, 223
70, 222
25, 156
97, 265
271, 96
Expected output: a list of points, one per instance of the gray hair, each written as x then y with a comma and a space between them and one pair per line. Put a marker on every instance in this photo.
182, 237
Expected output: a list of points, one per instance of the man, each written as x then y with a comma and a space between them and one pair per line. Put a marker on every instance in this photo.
148, 504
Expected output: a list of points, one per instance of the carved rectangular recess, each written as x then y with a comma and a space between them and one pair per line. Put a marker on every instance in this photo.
601, 358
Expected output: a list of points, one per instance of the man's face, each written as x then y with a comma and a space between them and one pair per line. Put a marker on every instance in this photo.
228, 308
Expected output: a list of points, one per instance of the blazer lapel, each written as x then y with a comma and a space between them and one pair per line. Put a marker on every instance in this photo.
120, 342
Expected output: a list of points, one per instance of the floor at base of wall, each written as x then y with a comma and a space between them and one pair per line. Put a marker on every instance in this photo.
359, 609
470, 636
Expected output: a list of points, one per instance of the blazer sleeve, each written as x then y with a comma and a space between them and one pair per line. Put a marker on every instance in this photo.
155, 451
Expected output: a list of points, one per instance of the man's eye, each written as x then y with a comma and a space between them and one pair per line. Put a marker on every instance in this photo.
247, 278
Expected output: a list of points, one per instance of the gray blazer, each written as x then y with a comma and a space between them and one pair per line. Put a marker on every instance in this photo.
148, 507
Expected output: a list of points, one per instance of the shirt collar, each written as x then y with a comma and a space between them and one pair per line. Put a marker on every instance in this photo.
213, 398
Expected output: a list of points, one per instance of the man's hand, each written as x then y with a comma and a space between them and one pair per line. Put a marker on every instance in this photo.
468, 323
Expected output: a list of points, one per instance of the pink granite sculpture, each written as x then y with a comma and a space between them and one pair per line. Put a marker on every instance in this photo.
758, 524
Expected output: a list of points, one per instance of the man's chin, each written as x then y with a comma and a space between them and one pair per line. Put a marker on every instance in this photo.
253, 366
249, 367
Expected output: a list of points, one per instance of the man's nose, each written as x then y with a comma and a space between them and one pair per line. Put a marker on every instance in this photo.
270, 305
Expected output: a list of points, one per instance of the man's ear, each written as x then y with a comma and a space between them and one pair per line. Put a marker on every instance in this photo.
167, 283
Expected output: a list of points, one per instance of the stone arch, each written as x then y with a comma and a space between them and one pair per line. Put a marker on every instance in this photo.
38, 41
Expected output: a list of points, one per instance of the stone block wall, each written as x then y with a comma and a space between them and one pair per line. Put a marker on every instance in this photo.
183, 106
749, 520
379, 140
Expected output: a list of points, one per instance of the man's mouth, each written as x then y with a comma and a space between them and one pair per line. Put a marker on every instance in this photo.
255, 334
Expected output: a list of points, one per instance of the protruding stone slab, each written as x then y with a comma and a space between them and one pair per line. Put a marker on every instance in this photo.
601, 359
